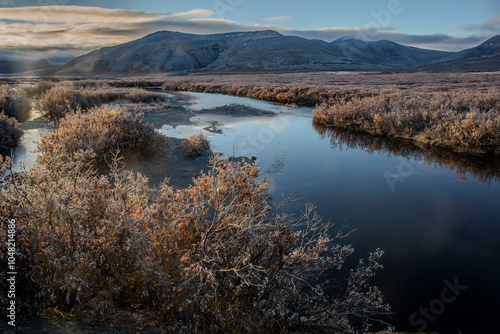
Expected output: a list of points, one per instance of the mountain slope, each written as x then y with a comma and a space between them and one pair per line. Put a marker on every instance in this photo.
260, 51
386, 53
490, 46
160, 52
482, 58
279, 53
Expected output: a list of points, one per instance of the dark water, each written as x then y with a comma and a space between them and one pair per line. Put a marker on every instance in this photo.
435, 214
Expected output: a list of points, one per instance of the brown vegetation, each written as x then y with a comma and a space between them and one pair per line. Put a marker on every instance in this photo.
10, 134
13, 103
214, 257
196, 145
456, 111
95, 136
462, 121
56, 99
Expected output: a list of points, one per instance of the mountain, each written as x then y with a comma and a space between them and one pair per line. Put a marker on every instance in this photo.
267, 51
279, 53
482, 58
386, 53
14, 66
491, 46
161, 52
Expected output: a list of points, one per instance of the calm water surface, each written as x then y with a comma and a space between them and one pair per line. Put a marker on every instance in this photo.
434, 224
434, 213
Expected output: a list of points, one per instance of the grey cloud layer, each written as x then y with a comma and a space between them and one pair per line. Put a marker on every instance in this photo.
86, 28
492, 26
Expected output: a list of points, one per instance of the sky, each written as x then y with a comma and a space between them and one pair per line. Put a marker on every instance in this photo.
75, 27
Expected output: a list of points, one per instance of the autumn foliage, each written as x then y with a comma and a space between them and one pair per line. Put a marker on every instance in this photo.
56, 99
13, 103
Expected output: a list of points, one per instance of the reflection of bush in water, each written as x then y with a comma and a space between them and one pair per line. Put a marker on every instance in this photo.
460, 112
483, 168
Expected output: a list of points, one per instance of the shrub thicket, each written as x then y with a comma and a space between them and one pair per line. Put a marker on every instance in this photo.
37, 90
10, 134
95, 136
65, 96
62, 98
14, 104
195, 145
460, 121
213, 257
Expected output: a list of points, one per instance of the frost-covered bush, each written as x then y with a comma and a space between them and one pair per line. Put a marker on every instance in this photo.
10, 134
56, 100
464, 122
14, 104
97, 134
215, 257
195, 145
62, 98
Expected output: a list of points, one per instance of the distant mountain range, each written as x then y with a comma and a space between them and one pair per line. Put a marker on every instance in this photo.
27, 66
269, 52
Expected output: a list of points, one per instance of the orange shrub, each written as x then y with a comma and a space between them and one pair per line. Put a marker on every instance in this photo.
195, 145
96, 135
463, 122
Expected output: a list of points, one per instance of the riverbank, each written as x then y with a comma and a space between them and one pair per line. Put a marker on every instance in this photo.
460, 112
457, 111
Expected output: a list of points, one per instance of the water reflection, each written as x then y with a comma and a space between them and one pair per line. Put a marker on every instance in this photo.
484, 169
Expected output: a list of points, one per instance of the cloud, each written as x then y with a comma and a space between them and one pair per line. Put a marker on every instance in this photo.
277, 19
75, 14
492, 26
193, 13
81, 29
